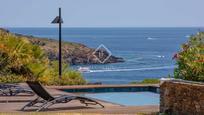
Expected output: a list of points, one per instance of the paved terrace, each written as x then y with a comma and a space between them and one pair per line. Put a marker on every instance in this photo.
12, 104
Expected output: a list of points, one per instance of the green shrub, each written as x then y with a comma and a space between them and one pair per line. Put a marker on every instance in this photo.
69, 77
12, 79
147, 81
190, 59
151, 81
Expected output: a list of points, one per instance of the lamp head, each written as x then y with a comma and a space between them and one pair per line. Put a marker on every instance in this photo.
57, 20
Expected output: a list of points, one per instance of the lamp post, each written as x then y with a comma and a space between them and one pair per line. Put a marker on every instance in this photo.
58, 20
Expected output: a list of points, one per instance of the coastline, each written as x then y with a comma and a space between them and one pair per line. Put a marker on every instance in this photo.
73, 53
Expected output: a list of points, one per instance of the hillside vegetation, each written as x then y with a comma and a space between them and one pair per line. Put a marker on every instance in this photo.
21, 60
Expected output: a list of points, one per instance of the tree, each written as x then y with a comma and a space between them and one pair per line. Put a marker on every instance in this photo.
190, 59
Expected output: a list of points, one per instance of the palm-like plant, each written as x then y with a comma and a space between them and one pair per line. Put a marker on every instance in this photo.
21, 60
21, 57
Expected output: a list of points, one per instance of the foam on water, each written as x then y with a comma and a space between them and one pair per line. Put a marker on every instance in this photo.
136, 69
150, 38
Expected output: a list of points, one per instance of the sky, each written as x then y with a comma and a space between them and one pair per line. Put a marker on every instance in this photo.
103, 13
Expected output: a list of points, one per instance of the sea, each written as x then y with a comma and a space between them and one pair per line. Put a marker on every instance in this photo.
147, 52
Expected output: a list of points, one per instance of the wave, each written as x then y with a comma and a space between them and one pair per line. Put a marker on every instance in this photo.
187, 36
160, 56
150, 38
136, 69
136, 59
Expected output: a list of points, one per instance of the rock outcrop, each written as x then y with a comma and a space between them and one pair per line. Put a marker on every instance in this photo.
72, 53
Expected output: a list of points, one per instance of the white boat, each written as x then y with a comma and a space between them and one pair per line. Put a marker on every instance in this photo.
84, 69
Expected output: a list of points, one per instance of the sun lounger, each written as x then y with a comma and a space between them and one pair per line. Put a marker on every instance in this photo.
45, 100
13, 90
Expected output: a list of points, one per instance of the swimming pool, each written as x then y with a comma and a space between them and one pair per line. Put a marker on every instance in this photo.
123, 95
127, 98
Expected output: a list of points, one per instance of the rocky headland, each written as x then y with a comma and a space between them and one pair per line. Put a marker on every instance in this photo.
72, 53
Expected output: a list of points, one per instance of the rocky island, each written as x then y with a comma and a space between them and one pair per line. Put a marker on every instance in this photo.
72, 53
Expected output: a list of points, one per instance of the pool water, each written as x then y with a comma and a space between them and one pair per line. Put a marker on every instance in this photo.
127, 98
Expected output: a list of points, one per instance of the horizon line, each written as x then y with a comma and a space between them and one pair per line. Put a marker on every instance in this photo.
113, 27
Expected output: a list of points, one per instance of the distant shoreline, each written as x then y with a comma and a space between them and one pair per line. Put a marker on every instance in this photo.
98, 27
73, 53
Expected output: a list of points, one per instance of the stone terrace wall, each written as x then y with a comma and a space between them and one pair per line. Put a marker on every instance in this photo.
179, 97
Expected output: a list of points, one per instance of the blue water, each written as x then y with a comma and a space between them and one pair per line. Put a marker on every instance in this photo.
128, 98
147, 51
